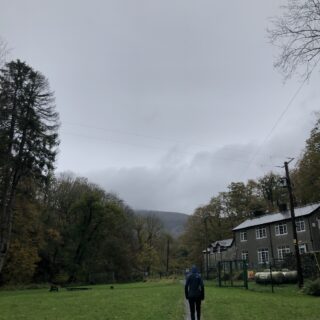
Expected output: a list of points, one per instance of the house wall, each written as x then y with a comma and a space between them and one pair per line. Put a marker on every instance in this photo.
251, 245
229, 254
314, 223
310, 237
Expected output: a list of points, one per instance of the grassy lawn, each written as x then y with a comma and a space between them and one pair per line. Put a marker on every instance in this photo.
158, 301
152, 301
259, 303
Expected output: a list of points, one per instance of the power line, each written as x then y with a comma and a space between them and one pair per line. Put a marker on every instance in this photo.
280, 117
146, 136
132, 134
108, 140
206, 147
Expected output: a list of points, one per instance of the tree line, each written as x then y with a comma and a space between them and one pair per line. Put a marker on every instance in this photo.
68, 228
61, 228
64, 228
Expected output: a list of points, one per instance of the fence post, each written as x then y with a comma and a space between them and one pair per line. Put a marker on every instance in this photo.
271, 279
231, 274
219, 273
245, 274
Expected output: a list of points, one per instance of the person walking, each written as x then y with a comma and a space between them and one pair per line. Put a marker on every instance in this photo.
194, 292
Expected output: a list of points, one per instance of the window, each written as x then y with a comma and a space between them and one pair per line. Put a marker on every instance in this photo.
281, 229
303, 248
243, 236
282, 251
300, 226
318, 220
261, 232
245, 255
263, 255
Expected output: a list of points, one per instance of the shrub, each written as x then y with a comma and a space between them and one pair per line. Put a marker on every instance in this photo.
238, 275
225, 277
312, 288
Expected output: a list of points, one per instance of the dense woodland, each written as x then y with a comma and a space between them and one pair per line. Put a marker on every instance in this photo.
66, 229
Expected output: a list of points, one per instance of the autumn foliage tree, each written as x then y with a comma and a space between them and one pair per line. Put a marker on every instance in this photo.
148, 233
27, 236
87, 231
215, 220
306, 175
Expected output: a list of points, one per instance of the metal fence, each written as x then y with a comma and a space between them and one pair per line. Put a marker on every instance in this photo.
232, 273
309, 263
239, 273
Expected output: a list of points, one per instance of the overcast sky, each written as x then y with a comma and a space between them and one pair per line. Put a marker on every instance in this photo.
164, 102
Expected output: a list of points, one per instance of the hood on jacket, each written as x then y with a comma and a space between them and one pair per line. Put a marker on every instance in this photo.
194, 269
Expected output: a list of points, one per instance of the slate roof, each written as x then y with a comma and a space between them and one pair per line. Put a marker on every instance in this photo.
222, 243
279, 216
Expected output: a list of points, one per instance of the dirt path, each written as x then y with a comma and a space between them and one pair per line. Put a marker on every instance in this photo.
187, 310
186, 306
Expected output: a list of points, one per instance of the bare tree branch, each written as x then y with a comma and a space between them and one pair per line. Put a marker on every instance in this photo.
3, 52
297, 35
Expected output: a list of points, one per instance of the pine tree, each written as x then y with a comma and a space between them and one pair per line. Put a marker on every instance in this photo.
28, 137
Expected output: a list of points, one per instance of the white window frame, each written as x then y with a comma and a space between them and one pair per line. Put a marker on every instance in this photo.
281, 229
245, 255
261, 233
282, 250
300, 225
303, 248
243, 236
263, 255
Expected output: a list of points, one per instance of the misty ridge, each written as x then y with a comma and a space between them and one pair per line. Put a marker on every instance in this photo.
173, 222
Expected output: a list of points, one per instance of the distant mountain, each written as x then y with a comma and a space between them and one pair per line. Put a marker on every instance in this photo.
173, 222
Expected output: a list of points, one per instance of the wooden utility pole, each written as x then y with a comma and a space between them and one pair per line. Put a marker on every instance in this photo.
168, 253
294, 230
206, 247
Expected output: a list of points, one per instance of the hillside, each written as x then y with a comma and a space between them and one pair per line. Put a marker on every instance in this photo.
173, 222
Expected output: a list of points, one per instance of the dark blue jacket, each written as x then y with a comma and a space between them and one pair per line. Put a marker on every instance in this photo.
194, 288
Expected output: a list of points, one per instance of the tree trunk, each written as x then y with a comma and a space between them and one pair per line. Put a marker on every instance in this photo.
12, 178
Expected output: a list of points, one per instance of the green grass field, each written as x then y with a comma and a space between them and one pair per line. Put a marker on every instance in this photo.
259, 303
157, 301
152, 301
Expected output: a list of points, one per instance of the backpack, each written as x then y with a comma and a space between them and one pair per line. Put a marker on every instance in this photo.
194, 287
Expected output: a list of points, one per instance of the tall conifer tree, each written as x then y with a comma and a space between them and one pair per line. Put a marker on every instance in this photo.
28, 137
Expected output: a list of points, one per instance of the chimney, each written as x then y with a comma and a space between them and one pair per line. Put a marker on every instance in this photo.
282, 207
258, 213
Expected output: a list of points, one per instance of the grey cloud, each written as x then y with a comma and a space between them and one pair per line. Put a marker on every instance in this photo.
182, 183
164, 102
180, 186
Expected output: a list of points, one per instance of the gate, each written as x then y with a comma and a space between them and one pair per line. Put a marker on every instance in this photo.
233, 273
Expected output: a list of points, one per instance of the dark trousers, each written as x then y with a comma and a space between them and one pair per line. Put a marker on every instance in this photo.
195, 304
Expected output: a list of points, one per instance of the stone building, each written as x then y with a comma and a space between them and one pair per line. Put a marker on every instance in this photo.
269, 237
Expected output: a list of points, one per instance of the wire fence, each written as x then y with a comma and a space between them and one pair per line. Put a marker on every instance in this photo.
267, 276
